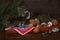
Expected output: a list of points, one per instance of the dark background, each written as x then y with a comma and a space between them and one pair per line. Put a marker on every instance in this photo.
51, 7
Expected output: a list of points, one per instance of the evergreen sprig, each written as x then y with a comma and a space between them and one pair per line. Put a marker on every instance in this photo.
7, 8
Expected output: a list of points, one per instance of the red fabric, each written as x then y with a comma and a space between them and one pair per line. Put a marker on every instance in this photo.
45, 28
19, 30
23, 32
10, 31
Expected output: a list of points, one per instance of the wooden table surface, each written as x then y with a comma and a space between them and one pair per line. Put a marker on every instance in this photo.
30, 36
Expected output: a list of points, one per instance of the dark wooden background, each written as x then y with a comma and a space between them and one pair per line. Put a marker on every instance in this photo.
51, 7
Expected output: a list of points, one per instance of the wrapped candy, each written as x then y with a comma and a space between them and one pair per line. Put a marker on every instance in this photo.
49, 24
45, 26
55, 29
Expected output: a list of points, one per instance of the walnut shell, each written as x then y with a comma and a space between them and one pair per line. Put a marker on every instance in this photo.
36, 30
31, 21
37, 21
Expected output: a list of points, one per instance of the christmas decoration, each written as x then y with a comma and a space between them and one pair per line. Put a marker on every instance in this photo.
55, 29
35, 26
21, 31
54, 22
10, 31
7, 8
